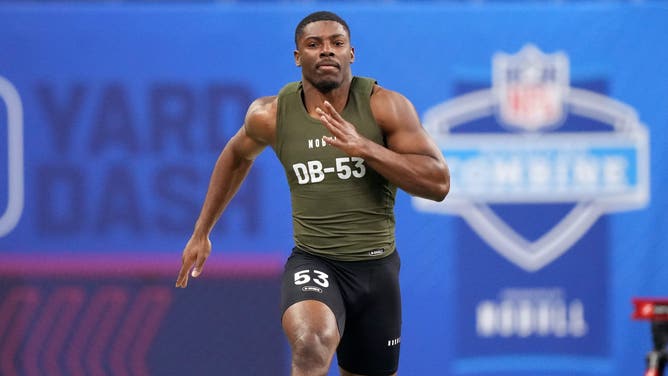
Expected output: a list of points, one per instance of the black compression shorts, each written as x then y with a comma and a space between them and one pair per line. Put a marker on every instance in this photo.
365, 299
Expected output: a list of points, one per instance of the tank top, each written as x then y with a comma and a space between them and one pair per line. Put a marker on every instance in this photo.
341, 208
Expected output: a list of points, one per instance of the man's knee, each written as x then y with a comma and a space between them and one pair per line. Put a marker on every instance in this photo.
314, 348
313, 334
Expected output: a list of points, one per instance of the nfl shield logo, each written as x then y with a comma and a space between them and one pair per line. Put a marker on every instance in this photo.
533, 154
530, 87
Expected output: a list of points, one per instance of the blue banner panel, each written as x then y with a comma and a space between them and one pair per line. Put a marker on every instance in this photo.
121, 132
552, 118
536, 159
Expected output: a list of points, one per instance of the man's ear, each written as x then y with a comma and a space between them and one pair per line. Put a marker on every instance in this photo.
298, 58
352, 54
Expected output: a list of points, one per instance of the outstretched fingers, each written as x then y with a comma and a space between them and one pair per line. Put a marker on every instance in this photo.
328, 121
182, 279
199, 264
333, 113
187, 264
335, 123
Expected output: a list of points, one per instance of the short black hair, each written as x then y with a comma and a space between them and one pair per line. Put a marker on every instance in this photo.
315, 17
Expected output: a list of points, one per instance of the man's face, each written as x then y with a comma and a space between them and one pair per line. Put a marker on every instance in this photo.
325, 54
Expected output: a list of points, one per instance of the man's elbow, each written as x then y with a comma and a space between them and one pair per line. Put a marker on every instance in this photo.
436, 192
436, 187
442, 188
441, 192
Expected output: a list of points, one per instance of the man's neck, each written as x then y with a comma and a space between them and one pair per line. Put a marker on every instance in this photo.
315, 98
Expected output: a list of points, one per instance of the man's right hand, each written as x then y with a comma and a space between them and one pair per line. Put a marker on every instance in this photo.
195, 253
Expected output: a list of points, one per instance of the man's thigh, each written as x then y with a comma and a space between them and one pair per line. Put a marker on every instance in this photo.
307, 277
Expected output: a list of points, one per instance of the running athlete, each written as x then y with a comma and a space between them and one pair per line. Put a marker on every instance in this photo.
346, 144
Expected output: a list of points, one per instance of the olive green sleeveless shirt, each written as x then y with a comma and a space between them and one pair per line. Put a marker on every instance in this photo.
341, 208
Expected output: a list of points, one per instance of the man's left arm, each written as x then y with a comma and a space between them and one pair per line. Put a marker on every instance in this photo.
411, 160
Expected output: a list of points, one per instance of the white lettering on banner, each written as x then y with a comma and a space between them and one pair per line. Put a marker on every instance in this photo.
315, 172
510, 174
532, 314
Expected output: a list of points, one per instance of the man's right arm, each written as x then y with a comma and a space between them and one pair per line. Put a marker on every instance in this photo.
231, 168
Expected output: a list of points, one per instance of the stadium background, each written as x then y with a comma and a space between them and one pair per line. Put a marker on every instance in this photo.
124, 106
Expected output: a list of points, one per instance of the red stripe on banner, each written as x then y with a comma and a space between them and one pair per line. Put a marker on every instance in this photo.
23, 301
90, 337
125, 264
72, 299
157, 300
45, 323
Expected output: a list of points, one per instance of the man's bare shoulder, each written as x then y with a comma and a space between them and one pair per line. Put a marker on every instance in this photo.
387, 96
260, 122
262, 110
389, 106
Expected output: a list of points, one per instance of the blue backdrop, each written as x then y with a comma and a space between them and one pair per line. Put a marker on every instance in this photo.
553, 117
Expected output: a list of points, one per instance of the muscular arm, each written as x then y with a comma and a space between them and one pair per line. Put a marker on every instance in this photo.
411, 160
230, 170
